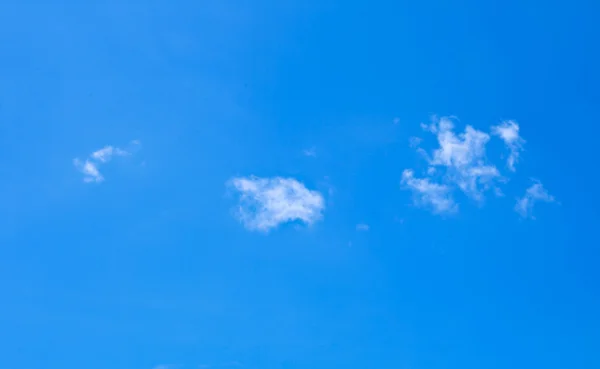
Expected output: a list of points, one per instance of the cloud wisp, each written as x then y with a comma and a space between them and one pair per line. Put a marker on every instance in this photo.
89, 169
460, 163
362, 227
414, 142
434, 196
464, 158
165, 366
106, 153
508, 131
90, 166
310, 152
535, 193
266, 203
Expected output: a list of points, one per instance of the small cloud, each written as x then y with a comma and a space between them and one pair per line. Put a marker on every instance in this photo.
436, 197
429, 127
90, 171
89, 167
396, 121
461, 155
423, 153
460, 162
133, 147
535, 193
414, 142
362, 227
464, 157
165, 366
265, 203
105, 154
312, 152
498, 192
508, 131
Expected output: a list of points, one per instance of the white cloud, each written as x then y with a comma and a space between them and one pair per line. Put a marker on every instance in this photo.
464, 157
460, 162
89, 167
536, 192
437, 197
90, 171
105, 154
508, 131
265, 203
362, 227
429, 127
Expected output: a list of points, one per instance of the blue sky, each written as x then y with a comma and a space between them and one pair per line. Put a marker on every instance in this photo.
299, 184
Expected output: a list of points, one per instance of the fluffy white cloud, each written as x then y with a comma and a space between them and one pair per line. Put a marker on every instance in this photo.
265, 203
464, 157
90, 166
460, 163
536, 192
508, 131
437, 197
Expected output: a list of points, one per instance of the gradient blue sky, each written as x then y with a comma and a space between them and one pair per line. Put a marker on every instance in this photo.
152, 267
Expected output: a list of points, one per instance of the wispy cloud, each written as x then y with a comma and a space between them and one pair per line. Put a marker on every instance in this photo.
311, 152
458, 163
165, 366
464, 157
106, 153
89, 170
508, 131
414, 142
362, 227
90, 166
437, 197
265, 203
535, 193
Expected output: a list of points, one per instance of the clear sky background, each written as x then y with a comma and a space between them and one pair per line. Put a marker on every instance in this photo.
246, 184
